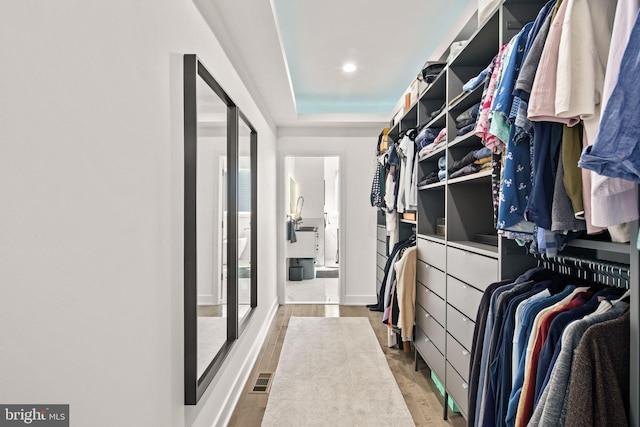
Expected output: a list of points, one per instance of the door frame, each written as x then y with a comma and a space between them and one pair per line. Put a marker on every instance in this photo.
282, 215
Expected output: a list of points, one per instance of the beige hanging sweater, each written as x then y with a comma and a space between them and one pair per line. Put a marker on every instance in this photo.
406, 290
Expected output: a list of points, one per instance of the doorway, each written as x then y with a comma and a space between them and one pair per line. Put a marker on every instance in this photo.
312, 252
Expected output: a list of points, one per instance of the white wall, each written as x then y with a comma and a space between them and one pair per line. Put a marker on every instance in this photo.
356, 148
309, 174
91, 178
290, 198
331, 206
331, 168
208, 187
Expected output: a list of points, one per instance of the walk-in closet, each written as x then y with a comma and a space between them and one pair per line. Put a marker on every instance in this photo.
319, 213
525, 222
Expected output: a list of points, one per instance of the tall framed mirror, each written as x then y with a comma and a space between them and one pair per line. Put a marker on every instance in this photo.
247, 219
220, 279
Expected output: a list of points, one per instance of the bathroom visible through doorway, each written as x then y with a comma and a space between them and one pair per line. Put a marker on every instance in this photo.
312, 249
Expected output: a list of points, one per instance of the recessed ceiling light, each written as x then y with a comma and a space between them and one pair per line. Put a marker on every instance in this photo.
349, 67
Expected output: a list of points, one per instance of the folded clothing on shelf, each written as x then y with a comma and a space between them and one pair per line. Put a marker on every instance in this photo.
483, 160
456, 48
465, 130
466, 170
435, 113
431, 71
471, 169
468, 116
428, 149
442, 168
476, 81
441, 136
468, 159
429, 179
458, 97
426, 136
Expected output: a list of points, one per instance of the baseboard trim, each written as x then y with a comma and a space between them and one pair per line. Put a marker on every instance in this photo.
358, 300
247, 367
205, 300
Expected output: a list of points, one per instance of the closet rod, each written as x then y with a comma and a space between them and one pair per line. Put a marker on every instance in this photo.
607, 273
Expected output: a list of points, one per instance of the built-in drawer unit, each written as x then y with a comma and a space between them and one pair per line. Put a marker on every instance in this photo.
381, 261
458, 388
381, 247
458, 356
382, 234
431, 327
432, 253
432, 303
379, 274
472, 268
432, 278
460, 326
463, 297
430, 353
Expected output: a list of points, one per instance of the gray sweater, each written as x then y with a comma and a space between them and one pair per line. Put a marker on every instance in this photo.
530, 64
599, 385
552, 407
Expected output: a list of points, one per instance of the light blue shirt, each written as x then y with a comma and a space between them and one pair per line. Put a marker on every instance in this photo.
515, 355
616, 151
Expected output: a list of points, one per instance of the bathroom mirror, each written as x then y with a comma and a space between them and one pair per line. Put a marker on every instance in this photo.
219, 225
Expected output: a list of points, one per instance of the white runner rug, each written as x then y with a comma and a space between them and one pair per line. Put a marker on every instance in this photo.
332, 372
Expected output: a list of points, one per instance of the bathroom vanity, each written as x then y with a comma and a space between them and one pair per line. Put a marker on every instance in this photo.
302, 253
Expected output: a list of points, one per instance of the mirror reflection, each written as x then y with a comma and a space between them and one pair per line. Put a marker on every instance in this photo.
220, 278
244, 220
211, 219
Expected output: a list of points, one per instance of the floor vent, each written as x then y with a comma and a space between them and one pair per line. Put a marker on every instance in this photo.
263, 383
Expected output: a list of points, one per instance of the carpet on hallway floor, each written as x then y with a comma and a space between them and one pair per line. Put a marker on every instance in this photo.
332, 372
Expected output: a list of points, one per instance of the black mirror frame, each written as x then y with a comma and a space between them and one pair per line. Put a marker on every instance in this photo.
253, 153
194, 386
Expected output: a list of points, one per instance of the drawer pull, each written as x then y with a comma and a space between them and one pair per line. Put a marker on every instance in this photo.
465, 386
427, 315
464, 319
464, 286
465, 353
427, 340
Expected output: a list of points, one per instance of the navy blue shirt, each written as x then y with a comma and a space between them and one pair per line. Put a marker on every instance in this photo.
501, 366
490, 407
546, 143
528, 317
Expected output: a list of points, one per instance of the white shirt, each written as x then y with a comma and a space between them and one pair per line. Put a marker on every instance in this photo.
614, 200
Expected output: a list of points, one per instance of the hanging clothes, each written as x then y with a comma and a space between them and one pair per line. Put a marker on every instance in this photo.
378, 184
551, 408
599, 385
527, 326
402, 150
407, 185
605, 190
550, 115
484, 117
611, 152
391, 191
406, 292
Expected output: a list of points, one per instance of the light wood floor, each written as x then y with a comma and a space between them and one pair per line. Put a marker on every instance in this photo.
422, 398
